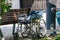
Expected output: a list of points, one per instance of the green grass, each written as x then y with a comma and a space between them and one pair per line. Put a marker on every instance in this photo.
56, 37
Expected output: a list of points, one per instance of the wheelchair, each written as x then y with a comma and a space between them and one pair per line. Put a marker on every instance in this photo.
32, 26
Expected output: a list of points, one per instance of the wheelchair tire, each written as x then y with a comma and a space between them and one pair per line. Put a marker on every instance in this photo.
24, 35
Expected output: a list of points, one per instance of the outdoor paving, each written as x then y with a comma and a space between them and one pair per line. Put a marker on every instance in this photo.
18, 39
11, 38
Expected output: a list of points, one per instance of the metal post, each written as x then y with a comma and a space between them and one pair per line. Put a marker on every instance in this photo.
15, 34
13, 29
1, 35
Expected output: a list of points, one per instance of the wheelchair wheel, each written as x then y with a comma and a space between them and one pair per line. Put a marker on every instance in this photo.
25, 35
16, 36
42, 28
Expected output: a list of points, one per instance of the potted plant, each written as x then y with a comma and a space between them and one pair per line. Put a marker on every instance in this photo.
5, 6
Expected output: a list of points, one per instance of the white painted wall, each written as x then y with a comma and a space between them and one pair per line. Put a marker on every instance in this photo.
15, 4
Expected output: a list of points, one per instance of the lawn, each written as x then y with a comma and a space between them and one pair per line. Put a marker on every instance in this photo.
56, 37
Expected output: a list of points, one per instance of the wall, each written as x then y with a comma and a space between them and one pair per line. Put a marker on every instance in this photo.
58, 3
15, 4
39, 4
34, 4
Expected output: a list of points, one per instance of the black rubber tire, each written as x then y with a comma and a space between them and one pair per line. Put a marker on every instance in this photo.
24, 35
16, 36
